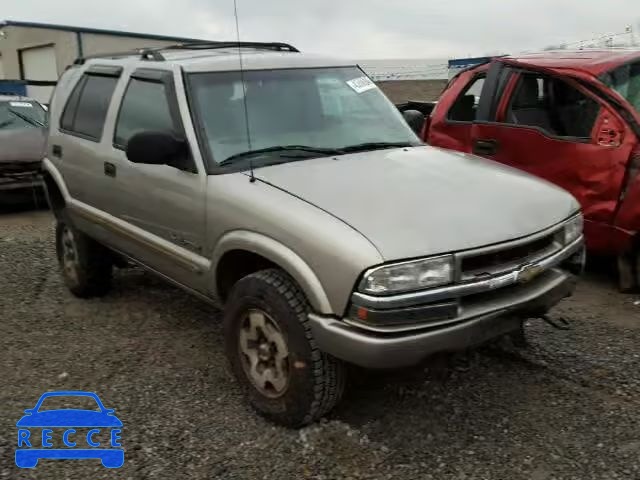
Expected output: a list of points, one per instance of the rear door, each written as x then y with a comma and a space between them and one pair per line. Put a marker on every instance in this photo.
553, 127
79, 147
452, 119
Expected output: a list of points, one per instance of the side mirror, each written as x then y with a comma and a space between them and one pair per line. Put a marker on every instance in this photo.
156, 148
415, 119
29, 410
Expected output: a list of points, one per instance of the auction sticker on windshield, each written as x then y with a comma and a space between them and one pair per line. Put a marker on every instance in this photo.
361, 84
21, 104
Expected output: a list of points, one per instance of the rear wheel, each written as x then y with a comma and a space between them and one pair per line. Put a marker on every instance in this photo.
86, 265
271, 349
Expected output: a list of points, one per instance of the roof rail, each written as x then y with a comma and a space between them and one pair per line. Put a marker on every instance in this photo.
277, 46
155, 54
143, 53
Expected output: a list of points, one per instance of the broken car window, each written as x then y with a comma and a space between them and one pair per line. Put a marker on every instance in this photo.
626, 81
553, 106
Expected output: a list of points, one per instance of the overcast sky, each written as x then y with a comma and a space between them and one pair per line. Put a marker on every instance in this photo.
353, 28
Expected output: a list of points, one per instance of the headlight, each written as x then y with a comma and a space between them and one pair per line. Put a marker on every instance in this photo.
407, 276
573, 229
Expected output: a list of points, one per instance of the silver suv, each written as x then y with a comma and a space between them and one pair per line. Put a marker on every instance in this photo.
289, 189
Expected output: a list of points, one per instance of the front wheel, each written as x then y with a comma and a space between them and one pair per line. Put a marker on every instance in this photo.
273, 354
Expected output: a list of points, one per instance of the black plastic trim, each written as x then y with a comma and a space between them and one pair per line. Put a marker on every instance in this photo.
104, 70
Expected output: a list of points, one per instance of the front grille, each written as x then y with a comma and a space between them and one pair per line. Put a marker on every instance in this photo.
20, 168
498, 261
19, 171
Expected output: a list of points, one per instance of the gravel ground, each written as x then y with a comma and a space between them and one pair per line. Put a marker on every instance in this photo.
566, 408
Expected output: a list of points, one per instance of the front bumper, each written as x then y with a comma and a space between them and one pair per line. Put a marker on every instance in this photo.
483, 314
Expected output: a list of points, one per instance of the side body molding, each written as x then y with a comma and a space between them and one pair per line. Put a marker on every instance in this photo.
279, 254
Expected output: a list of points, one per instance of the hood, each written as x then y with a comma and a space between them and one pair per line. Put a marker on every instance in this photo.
22, 145
424, 200
69, 418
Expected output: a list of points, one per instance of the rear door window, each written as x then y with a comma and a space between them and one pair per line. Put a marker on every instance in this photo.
145, 107
88, 104
552, 106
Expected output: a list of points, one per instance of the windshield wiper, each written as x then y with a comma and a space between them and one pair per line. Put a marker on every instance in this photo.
281, 148
363, 147
26, 118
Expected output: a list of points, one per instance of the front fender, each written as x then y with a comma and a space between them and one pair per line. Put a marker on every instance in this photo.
279, 254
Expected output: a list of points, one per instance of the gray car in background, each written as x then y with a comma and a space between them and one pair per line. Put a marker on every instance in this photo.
289, 189
22, 140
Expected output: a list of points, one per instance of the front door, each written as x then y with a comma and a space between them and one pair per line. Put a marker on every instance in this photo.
161, 207
556, 129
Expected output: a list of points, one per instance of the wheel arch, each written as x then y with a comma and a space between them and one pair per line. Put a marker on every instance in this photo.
55, 189
240, 253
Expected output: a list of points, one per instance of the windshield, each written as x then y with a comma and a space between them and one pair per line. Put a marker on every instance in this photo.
21, 114
626, 81
319, 110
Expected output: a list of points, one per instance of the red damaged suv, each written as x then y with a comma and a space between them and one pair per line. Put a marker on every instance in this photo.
571, 117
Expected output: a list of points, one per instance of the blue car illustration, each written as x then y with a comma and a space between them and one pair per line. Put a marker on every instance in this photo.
28, 452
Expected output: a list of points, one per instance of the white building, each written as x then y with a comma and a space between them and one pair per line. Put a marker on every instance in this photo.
39, 53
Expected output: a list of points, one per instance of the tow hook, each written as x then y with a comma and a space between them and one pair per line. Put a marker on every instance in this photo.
560, 323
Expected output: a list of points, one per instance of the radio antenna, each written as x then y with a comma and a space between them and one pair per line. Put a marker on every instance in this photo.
252, 177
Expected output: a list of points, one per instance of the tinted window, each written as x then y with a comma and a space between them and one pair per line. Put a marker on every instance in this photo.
553, 106
92, 96
145, 107
72, 105
466, 105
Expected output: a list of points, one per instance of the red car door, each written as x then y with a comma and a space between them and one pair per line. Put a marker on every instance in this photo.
553, 127
452, 119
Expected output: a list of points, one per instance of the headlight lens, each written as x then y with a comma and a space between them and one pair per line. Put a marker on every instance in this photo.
407, 276
573, 229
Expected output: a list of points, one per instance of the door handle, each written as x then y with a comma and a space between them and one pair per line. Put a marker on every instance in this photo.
56, 151
109, 169
485, 147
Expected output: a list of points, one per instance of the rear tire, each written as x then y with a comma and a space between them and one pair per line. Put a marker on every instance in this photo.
86, 265
273, 354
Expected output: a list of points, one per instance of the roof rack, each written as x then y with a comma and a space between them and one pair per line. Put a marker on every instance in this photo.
155, 54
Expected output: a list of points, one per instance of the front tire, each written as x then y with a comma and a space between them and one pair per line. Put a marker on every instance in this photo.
273, 354
86, 265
